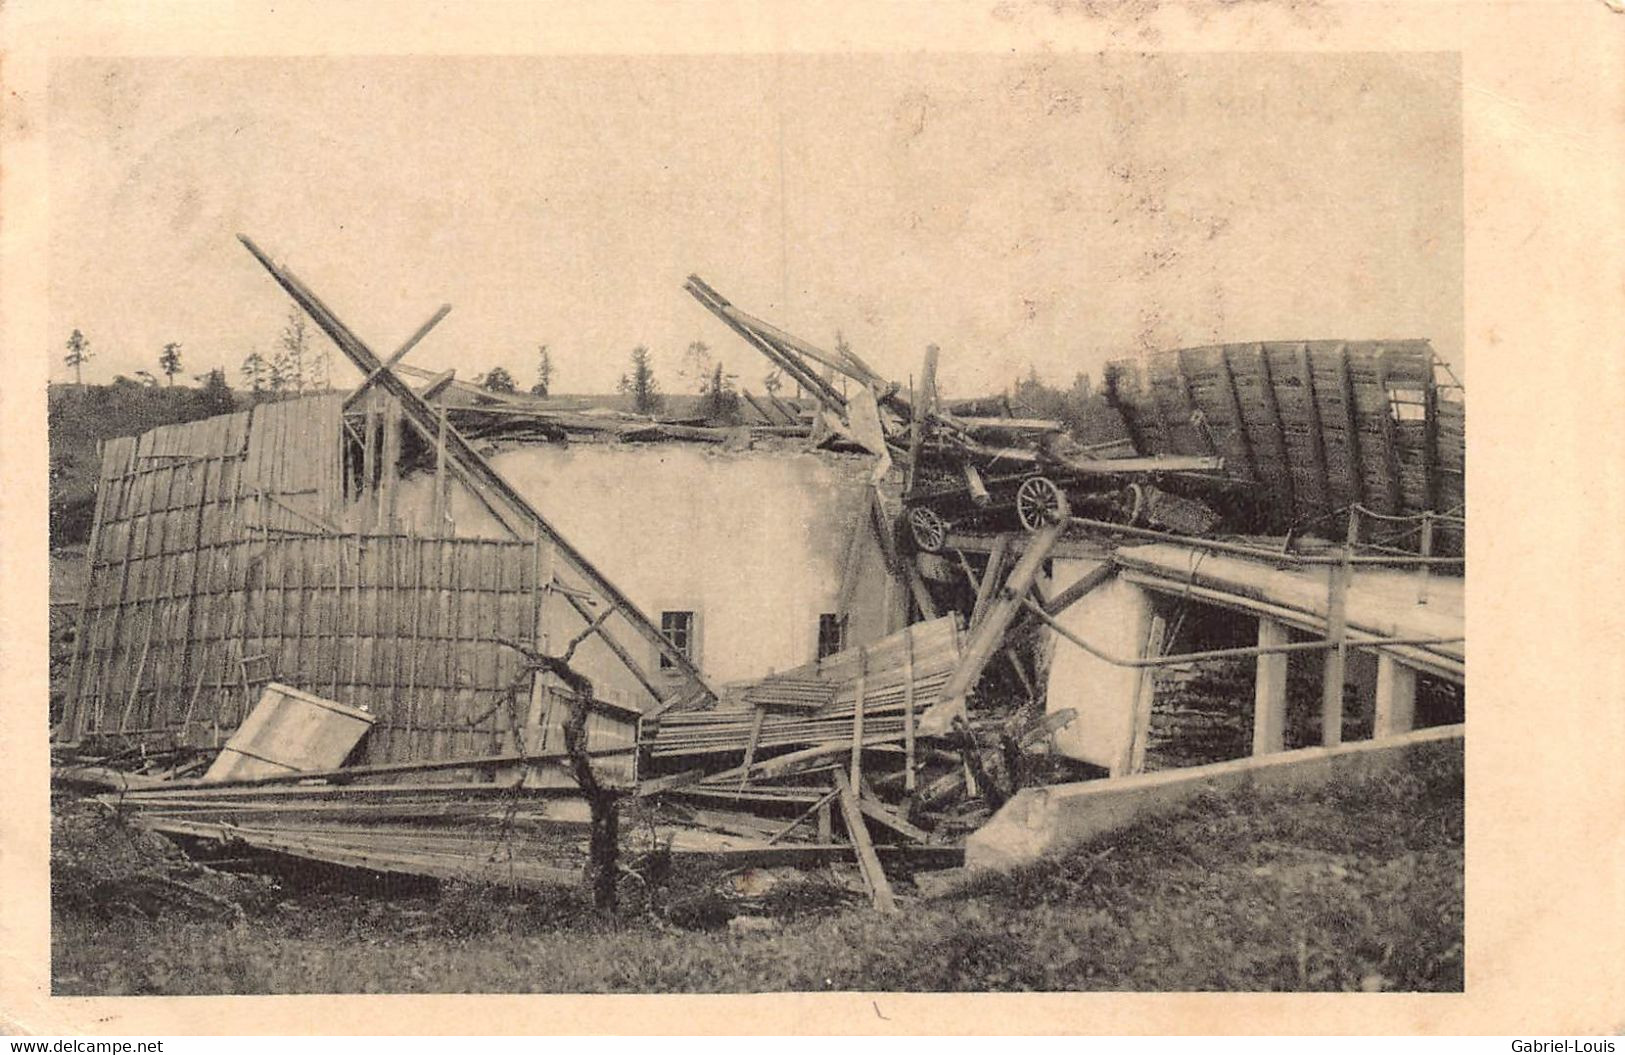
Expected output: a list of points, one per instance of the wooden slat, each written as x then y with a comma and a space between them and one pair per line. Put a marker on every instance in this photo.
1351, 426
989, 636
1317, 438
1390, 448
874, 877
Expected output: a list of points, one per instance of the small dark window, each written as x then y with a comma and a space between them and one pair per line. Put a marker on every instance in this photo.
831, 634
678, 627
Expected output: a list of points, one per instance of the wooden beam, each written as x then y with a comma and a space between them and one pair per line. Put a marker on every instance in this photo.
1234, 398
397, 356
1331, 699
760, 411
920, 404
902, 570
1317, 438
1390, 445
1091, 581
989, 636
874, 877
511, 509
1204, 430
438, 383
922, 593
857, 718
876, 810
1273, 402
1127, 413
1356, 471
908, 710
1430, 438
717, 305
792, 415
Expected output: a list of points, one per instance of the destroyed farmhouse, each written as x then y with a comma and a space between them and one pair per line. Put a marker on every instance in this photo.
424, 629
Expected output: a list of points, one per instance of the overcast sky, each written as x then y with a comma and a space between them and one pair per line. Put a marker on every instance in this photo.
1056, 212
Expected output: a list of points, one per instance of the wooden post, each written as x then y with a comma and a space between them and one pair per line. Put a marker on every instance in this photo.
920, 405
1396, 698
908, 710
857, 718
1269, 694
440, 482
1331, 699
1145, 692
1427, 551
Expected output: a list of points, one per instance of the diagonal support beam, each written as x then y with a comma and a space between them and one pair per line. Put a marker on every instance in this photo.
510, 507
400, 353
989, 634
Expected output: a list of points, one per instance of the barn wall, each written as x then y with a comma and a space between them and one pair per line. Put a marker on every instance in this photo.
752, 541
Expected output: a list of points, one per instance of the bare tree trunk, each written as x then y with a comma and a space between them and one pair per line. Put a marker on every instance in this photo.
604, 804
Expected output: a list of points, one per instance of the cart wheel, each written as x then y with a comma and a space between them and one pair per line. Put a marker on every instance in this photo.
1039, 501
930, 531
1134, 504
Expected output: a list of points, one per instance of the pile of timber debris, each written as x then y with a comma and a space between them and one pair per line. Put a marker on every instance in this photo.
842, 739
822, 764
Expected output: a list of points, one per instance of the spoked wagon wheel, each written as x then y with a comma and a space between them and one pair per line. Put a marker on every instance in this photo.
1039, 501
930, 531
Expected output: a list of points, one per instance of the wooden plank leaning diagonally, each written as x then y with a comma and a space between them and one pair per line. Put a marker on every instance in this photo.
874, 877
989, 635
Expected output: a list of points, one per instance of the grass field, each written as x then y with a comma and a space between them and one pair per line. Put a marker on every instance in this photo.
1352, 887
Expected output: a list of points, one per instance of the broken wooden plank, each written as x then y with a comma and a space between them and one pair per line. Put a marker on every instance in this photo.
878, 811
820, 807
1095, 578
438, 383
874, 877
750, 746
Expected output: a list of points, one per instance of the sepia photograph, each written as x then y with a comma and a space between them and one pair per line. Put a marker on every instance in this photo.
757, 523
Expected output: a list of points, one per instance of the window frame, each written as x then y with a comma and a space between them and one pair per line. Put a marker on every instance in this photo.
690, 649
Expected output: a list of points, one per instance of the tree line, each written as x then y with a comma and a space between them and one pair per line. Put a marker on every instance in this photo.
298, 365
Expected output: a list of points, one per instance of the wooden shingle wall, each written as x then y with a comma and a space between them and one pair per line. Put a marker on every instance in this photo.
214, 567
1320, 425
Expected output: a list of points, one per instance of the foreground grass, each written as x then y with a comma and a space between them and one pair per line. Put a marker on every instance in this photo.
1353, 887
